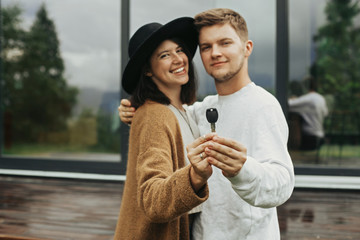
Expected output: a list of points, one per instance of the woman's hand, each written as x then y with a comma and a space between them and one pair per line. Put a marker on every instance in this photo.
200, 170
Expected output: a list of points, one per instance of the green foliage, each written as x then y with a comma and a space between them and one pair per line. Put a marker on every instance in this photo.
337, 67
12, 45
109, 140
36, 94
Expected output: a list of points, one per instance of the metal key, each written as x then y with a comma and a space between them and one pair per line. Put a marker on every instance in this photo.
212, 117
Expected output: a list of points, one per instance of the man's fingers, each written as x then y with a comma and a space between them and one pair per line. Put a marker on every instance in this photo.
219, 156
125, 102
230, 143
226, 155
126, 114
224, 167
228, 171
124, 109
216, 150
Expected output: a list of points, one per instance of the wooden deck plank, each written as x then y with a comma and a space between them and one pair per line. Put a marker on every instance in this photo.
58, 209
321, 214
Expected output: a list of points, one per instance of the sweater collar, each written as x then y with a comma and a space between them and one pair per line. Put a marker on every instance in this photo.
242, 91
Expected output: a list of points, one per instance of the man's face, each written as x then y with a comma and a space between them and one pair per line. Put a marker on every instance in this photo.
222, 51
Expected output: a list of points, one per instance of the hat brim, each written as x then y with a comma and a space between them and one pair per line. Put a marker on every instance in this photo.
182, 28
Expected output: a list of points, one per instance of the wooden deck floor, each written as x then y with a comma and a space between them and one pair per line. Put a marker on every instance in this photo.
59, 209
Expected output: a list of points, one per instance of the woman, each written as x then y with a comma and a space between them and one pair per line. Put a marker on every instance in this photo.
160, 187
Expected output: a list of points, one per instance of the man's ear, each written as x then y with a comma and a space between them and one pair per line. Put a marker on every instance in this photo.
148, 74
248, 48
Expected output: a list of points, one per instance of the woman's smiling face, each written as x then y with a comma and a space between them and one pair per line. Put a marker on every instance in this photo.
169, 66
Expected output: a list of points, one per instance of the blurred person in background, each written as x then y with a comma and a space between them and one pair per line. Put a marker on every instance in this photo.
313, 109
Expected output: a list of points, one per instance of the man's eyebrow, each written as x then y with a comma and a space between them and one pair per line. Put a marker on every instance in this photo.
200, 44
219, 40
224, 39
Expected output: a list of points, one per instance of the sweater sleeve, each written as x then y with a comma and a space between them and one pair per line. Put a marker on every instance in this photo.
164, 189
267, 178
300, 101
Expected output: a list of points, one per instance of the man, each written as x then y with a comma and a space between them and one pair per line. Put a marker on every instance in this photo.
313, 109
253, 172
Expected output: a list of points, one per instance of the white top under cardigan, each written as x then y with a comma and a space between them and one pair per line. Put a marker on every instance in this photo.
189, 132
244, 207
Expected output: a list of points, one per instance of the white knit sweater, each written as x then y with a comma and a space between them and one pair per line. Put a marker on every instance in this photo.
244, 207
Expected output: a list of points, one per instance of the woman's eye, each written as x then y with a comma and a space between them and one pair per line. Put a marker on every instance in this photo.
164, 55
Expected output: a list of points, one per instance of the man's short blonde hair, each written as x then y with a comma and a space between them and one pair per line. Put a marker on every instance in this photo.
222, 16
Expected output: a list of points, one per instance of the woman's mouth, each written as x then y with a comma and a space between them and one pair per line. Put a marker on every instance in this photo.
178, 70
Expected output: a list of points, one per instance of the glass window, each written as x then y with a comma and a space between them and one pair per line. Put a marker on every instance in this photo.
261, 31
60, 79
324, 89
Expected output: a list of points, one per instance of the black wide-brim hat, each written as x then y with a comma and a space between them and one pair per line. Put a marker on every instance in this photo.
146, 39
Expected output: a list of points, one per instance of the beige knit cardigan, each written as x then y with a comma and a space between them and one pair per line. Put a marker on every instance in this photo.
157, 193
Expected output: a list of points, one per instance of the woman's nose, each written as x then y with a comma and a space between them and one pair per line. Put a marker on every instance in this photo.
177, 58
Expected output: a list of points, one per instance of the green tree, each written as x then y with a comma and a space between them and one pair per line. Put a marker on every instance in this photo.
45, 101
337, 66
108, 138
12, 45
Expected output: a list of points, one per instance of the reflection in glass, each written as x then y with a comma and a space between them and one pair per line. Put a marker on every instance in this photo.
326, 47
311, 109
60, 79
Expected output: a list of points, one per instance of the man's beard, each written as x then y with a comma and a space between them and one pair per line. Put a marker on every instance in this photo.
226, 77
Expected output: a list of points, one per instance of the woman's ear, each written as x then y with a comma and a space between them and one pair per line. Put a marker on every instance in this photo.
147, 70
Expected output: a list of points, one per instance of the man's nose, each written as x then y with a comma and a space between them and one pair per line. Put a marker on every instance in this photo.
215, 51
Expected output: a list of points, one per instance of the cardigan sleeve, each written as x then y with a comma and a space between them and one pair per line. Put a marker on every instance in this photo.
164, 189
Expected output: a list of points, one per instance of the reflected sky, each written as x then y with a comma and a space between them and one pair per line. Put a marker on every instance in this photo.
89, 33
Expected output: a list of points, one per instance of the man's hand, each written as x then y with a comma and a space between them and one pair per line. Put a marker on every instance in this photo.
201, 170
227, 155
126, 112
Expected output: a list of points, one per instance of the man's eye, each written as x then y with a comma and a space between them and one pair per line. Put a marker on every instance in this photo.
180, 50
205, 48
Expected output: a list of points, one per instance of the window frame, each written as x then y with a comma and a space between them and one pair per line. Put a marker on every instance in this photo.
119, 168
73, 166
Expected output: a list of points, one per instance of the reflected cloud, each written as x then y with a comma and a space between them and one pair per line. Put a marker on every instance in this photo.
89, 38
